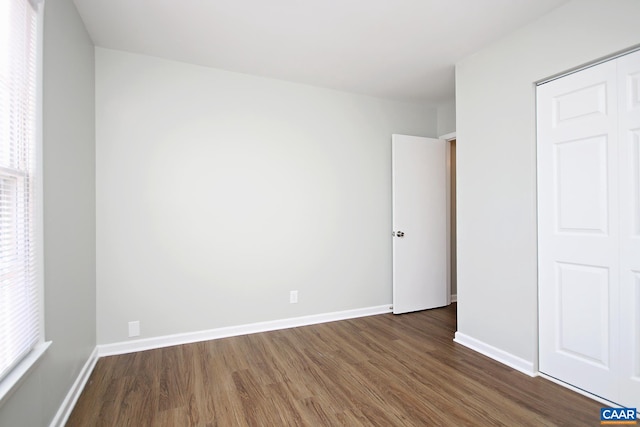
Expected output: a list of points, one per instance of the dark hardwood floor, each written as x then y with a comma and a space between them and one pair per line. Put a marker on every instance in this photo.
383, 370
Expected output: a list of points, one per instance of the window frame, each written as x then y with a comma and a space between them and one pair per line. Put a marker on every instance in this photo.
17, 374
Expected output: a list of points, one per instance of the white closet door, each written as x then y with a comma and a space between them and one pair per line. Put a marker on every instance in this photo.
629, 131
578, 229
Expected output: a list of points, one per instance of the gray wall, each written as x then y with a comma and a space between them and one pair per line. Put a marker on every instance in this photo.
496, 148
69, 218
219, 192
447, 118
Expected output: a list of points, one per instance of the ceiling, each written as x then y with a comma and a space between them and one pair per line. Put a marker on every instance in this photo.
397, 49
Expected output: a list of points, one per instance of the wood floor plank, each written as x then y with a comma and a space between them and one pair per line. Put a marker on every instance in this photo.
384, 370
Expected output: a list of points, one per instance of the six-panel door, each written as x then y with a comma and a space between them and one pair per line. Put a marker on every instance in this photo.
588, 232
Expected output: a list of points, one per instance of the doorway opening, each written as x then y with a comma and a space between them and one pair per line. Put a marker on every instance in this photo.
453, 263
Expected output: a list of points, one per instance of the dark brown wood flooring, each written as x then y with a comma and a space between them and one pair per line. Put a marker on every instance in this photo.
383, 370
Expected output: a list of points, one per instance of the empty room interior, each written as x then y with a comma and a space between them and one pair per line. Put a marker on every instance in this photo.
222, 192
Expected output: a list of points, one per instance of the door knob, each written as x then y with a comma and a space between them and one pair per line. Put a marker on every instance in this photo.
400, 233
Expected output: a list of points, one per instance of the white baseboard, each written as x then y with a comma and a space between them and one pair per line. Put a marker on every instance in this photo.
454, 297
494, 353
231, 331
74, 393
521, 365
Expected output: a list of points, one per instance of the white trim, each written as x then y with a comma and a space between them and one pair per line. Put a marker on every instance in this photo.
38, 231
232, 331
448, 136
19, 372
496, 354
454, 297
70, 400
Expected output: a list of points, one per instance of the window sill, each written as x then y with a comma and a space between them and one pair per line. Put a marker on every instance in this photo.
9, 383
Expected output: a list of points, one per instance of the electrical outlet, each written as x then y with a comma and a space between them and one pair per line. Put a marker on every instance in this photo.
293, 297
134, 328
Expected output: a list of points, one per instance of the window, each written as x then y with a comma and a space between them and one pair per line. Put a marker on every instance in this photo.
20, 283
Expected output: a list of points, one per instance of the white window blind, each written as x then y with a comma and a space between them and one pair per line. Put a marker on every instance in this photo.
19, 289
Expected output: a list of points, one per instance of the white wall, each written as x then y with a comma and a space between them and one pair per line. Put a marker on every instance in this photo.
218, 193
69, 219
497, 282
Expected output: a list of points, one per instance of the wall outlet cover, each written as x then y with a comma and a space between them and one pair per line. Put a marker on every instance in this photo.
134, 328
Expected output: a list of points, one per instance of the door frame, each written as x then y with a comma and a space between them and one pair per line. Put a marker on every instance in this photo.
448, 138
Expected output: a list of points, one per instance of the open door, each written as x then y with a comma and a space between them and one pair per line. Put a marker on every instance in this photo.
419, 223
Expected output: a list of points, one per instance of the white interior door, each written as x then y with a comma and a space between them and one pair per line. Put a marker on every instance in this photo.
589, 229
578, 229
629, 169
419, 223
